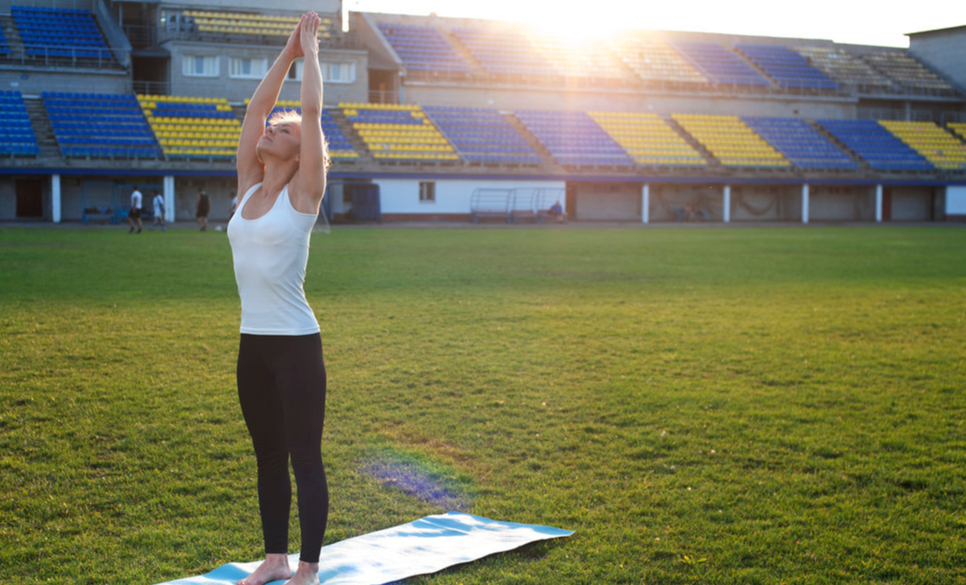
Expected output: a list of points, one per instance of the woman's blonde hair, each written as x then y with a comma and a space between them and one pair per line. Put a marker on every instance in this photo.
283, 116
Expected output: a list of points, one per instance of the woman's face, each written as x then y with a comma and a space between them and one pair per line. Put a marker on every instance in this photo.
282, 140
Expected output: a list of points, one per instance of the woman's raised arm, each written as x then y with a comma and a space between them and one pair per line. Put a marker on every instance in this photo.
308, 185
250, 169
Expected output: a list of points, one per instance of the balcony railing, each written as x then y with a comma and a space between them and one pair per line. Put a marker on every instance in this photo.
66, 56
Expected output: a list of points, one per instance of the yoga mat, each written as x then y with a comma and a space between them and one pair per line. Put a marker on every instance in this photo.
421, 547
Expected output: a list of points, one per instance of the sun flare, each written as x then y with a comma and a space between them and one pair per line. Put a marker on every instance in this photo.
574, 28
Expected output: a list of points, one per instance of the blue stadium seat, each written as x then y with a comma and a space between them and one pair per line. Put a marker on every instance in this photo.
718, 64
422, 48
60, 32
17, 136
786, 67
482, 135
876, 145
574, 138
505, 52
801, 144
99, 125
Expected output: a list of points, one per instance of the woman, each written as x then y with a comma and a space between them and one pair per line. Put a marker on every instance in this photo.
281, 373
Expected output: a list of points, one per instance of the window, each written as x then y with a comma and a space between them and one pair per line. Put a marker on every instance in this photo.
248, 68
339, 72
331, 72
427, 192
295, 71
194, 66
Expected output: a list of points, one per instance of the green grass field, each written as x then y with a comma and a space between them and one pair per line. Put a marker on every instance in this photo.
746, 405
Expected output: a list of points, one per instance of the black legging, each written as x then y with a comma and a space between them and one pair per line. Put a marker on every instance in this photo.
281, 387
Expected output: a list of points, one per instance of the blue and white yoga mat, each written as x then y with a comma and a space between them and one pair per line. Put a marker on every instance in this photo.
425, 546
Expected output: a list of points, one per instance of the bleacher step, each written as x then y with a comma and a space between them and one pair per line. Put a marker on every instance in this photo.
542, 151
10, 31
694, 143
478, 69
840, 145
42, 128
357, 143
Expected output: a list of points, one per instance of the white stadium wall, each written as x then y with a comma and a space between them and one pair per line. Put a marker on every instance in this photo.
956, 203
399, 198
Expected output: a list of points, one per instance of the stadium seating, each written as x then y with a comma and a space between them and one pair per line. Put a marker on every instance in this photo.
876, 145
192, 127
731, 141
482, 135
17, 136
653, 59
648, 139
4, 47
800, 143
904, 70
719, 65
574, 138
60, 32
586, 60
400, 133
504, 52
241, 23
939, 147
786, 67
958, 128
338, 146
99, 125
423, 48
845, 69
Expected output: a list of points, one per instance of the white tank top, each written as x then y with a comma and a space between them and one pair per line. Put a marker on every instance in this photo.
270, 254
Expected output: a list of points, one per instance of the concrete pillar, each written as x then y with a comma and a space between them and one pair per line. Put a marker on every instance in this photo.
805, 203
168, 198
55, 198
878, 203
726, 209
646, 203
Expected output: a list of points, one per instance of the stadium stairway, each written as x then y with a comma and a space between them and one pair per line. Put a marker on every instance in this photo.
863, 165
10, 32
546, 158
479, 71
358, 144
46, 140
772, 82
695, 144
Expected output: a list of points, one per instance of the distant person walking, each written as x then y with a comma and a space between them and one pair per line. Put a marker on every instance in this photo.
281, 371
202, 208
135, 213
158, 211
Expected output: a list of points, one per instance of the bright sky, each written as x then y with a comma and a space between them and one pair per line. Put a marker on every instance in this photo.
860, 22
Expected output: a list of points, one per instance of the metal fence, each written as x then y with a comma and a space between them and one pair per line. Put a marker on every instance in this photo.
64, 56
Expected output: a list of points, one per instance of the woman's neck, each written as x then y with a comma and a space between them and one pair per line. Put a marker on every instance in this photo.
277, 176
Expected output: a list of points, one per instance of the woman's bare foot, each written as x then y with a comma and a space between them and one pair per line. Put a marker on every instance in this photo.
307, 574
274, 568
